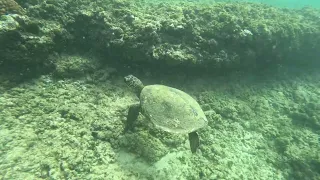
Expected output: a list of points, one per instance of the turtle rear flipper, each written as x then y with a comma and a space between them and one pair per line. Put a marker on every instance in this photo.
132, 116
194, 141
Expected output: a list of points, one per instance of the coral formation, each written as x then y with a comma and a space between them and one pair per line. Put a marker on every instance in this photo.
213, 37
73, 66
10, 6
71, 125
72, 129
26, 43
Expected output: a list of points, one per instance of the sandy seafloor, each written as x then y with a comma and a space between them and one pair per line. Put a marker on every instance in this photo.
260, 127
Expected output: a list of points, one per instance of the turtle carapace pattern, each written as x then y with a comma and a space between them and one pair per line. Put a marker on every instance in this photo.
168, 108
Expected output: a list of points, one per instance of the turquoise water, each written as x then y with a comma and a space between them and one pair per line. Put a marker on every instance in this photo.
287, 3
253, 69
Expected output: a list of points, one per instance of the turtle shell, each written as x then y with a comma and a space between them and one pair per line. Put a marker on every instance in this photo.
171, 110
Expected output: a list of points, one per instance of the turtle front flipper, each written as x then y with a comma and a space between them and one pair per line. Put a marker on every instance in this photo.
194, 141
132, 116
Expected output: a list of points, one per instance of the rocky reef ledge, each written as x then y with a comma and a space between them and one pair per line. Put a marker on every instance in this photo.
215, 37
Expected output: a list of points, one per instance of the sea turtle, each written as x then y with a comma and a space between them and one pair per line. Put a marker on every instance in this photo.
169, 109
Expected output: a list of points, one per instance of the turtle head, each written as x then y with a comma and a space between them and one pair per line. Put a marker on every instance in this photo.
134, 83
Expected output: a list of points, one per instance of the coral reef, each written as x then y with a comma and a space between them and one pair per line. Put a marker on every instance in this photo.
214, 37
26, 43
74, 66
69, 122
53, 128
10, 6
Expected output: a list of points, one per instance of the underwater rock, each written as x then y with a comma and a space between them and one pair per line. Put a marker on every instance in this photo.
10, 6
25, 43
215, 38
73, 66
8, 23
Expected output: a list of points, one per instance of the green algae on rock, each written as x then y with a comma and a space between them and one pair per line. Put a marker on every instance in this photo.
26, 43
209, 36
10, 7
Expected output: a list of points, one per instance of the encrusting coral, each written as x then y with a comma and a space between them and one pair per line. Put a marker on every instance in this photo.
10, 6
